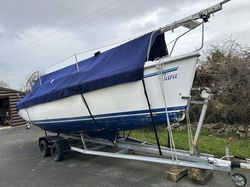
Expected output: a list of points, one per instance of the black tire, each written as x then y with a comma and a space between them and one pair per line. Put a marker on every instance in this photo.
57, 152
239, 179
44, 149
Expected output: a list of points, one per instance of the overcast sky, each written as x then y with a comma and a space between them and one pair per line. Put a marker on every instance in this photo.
35, 34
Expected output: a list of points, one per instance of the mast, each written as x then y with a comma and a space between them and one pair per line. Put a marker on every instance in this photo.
191, 22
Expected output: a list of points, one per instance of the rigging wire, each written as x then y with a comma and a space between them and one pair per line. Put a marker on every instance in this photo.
64, 27
107, 45
111, 44
93, 49
101, 46
117, 13
42, 44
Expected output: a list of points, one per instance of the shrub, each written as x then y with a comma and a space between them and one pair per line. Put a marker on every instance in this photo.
226, 71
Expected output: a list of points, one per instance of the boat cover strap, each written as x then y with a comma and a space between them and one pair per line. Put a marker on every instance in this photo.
87, 106
118, 65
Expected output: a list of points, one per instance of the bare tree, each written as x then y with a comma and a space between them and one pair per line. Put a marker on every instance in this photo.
226, 70
4, 84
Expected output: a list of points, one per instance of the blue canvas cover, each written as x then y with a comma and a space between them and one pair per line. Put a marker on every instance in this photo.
121, 64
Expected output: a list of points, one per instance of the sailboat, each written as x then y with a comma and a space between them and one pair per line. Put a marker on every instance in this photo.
131, 86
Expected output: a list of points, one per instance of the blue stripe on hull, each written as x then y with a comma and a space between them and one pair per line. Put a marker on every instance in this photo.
158, 73
110, 122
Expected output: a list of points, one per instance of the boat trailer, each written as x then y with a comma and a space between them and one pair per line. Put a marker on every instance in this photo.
127, 148
132, 149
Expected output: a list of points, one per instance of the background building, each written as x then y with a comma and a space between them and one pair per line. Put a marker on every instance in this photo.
8, 112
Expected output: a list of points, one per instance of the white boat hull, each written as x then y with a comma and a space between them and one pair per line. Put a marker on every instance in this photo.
123, 106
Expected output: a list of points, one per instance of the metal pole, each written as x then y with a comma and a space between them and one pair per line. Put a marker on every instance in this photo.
39, 78
170, 54
202, 36
198, 130
77, 65
83, 141
168, 140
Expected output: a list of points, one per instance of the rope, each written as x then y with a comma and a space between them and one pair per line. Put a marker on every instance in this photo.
172, 144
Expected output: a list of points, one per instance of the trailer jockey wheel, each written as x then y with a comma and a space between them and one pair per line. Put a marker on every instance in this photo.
239, 179
44, 149
57, 151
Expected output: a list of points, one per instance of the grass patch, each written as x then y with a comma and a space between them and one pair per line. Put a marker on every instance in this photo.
207, 143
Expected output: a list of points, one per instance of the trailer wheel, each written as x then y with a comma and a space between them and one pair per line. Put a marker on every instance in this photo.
239, 179
57, 152
44, 149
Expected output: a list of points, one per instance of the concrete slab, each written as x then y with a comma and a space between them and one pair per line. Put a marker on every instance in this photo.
22, 166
